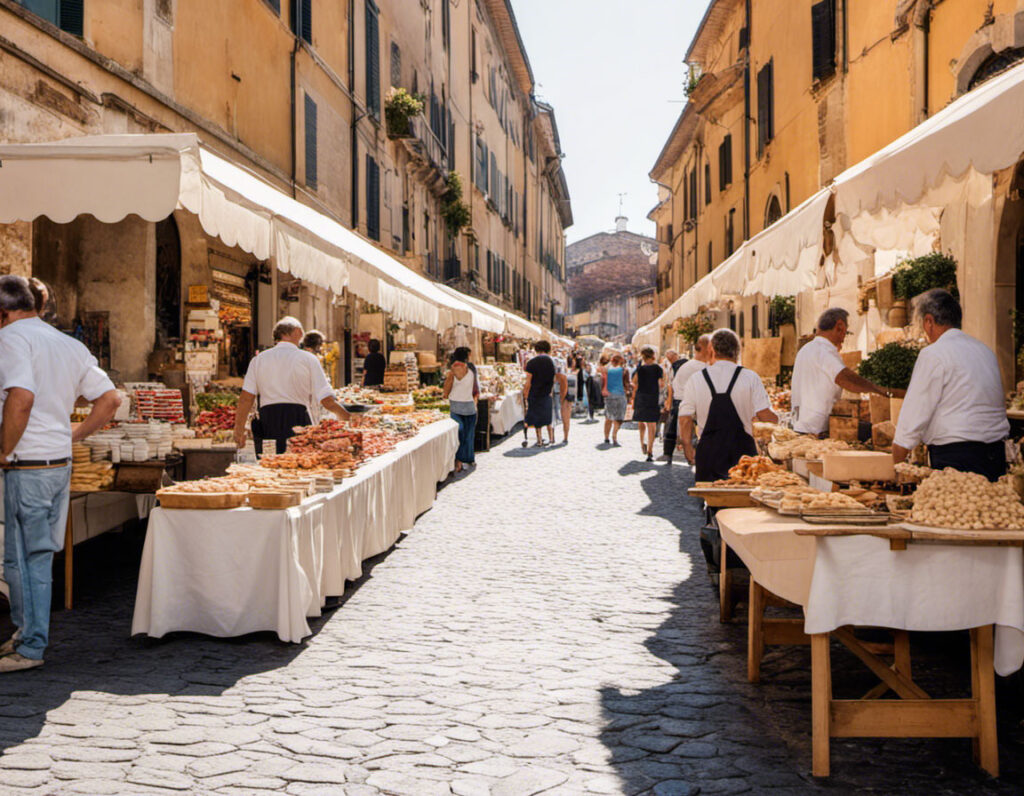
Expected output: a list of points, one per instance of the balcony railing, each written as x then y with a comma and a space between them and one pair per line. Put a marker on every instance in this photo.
425, 147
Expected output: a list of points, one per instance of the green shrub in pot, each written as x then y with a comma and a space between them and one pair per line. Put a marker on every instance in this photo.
890, 366
914, 276
781, 311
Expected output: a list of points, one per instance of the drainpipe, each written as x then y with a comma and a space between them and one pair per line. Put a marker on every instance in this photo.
746, 129
354, 148
922, 25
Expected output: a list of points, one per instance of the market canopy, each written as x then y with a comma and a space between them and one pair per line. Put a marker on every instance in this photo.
112, 176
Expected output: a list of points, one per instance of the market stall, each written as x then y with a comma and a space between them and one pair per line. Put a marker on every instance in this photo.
233, 571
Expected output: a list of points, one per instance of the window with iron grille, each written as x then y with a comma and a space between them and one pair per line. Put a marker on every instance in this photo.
823, 39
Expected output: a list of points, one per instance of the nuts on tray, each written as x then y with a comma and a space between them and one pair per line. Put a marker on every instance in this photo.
967, 501
806, 447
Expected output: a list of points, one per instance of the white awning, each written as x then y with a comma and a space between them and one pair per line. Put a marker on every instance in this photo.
486, 317
983, 129
111, 176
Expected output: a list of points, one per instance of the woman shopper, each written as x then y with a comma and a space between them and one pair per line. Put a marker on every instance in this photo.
569, 396
595, 385
615, 390
647, 383
461, 390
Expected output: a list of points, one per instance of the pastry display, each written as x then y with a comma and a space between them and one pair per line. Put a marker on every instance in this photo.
804, 447
747, 470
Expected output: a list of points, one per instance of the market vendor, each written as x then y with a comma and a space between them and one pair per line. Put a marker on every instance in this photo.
954, 404
284, 382
724, 398
820, 375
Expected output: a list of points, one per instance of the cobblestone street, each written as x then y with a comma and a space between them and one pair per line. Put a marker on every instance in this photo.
548, 627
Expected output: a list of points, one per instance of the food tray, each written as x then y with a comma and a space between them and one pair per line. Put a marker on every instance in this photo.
706, 486
774, 505
951, 534
271, 499
200, 500
850, 517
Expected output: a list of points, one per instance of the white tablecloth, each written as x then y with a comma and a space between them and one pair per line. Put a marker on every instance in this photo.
227, 573
858, 580
506, 411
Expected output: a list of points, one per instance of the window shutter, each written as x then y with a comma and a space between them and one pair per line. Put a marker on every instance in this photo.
823, 39
307, 20
396, 65
72, 14
372, 198
765, 107
686, 195
372, 58
310, 125
275, 4
725, 163
693, 193
707, 183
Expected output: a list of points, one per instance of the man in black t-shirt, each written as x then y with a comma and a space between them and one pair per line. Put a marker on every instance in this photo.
374, 366
540, 380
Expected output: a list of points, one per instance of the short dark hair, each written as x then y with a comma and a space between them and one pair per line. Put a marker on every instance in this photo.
725, 344
313, 339
542, 347
374, 346
16, 294
940, 304
461, 354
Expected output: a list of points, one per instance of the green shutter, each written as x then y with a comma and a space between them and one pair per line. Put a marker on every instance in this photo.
311, 171
372, 59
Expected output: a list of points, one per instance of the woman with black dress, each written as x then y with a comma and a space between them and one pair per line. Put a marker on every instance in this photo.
647, 383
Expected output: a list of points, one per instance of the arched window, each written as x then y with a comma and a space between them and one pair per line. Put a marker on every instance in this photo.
996, 63
773, 212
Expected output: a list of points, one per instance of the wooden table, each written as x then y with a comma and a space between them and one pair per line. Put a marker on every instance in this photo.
915, 714
722, 497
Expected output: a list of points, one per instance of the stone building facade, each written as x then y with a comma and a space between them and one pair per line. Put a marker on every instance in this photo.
296, 91
783, 96
611, 277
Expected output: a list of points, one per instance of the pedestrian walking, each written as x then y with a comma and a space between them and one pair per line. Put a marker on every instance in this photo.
462, 390
684, 370
374, 365
540, 383
596, 384
615, 390
570, 382
42, 374
647, 382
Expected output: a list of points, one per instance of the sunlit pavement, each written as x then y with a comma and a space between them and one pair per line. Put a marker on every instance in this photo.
549, 627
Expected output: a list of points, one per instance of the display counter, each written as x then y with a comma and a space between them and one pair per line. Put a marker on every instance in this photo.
506, 412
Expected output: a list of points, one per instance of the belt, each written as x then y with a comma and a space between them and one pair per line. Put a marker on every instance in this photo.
37, 464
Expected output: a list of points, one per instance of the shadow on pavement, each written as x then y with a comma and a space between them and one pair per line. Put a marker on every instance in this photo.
707, 730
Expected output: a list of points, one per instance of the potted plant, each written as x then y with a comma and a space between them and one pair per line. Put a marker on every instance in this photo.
690, 329
400, 108
456, 213
891, 366
914, 276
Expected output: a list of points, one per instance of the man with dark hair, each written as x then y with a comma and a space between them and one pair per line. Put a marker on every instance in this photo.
374, 365
312, 341
540, 381
287, 381
42, 374
954, 404
820, 375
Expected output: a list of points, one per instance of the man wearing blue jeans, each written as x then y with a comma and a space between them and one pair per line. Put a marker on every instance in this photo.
42, 374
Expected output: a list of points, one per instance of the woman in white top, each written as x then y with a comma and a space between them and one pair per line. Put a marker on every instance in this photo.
460, 388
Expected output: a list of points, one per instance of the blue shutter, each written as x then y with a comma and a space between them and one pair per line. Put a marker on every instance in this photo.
372, 59
72, 13
311, 171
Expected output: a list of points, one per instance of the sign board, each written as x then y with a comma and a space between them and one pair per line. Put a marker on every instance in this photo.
198, 294
763, 355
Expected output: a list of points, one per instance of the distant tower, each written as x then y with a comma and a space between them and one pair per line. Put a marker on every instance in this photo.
620, 223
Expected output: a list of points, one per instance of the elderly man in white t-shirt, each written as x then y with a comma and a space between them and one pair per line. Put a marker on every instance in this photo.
820, 375
42, 373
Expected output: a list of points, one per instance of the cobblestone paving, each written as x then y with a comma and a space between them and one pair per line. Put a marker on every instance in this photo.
548, 627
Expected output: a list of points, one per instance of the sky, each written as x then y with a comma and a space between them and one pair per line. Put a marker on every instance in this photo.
614, 72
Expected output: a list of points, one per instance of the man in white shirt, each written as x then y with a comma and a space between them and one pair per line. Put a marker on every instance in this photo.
724, 402
42, 374
820, 375
954, 404
681, 375
287, 381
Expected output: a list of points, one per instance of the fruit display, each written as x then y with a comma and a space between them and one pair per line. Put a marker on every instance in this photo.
210, 421
967, 501
207, 401
362, 396
430, 398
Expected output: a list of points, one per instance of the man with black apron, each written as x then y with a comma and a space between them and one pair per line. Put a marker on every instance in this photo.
954, 403
724, 398
283, 382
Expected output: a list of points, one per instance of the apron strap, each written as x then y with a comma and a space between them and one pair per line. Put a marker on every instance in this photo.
735, 375
711, 386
